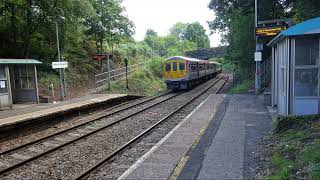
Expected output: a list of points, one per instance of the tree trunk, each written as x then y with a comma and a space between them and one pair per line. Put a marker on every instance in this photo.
13, 26
26, 41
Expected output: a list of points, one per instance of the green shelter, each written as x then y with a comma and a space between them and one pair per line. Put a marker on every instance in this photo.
18, 82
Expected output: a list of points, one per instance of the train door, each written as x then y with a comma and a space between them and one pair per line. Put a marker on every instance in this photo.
198, 70
167, 70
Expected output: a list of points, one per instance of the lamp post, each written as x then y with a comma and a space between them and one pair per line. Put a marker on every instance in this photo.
258, 65
59, 59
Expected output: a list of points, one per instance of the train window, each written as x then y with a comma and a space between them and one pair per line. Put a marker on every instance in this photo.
193, 67
168, 67
174, 66
182, 66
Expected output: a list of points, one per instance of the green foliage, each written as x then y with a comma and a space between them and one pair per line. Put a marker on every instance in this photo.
142, 81
297, 152
242, 87
179, 30
235, 20
197, 34
155, 67
282, 167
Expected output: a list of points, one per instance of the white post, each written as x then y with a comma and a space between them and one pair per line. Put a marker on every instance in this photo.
108, 64
258, 68
58, 48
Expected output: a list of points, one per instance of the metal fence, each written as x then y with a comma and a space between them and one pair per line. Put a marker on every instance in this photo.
103, 78
266, 73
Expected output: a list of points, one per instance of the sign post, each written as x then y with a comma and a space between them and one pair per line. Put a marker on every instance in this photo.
126, 63
257, 75
61, 65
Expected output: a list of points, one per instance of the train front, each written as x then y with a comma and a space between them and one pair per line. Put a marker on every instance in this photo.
175, 73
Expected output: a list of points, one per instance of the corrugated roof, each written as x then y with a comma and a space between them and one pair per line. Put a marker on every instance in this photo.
19, 61
308, 27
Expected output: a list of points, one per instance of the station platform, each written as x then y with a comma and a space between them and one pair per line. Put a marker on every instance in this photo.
23, 113
218, 140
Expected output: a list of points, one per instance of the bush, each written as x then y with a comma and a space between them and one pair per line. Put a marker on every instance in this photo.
155, 66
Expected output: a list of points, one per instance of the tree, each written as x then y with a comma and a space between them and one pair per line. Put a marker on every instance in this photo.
179, 30
197, 34
108, 23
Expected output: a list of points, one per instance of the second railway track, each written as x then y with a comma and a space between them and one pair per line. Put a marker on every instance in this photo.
92, 132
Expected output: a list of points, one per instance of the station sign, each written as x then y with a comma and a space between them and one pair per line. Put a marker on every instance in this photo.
99, 57
60, 65
257, 56
270, 31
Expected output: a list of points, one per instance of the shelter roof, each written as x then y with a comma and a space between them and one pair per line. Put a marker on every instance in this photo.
19, 61
308, 27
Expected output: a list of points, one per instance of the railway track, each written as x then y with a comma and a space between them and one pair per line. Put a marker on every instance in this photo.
67, 137
78, 128
113, 154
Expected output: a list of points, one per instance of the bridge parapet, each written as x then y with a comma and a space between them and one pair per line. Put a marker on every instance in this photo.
207, 53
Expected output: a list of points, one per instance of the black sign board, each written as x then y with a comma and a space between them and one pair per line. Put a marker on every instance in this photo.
269, 31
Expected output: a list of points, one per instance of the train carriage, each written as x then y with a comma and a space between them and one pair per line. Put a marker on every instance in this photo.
182, 72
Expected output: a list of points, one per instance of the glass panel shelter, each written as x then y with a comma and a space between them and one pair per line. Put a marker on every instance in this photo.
18, 82
296, 69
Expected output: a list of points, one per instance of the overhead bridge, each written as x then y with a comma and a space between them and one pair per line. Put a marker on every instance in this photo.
207, 53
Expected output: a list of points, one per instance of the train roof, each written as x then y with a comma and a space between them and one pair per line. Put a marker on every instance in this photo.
185, 58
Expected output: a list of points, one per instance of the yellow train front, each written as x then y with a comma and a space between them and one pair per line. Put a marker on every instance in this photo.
180, 73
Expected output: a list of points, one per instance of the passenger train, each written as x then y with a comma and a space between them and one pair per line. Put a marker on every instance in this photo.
181, 73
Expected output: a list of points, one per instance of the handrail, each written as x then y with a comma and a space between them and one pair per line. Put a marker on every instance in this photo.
115, 74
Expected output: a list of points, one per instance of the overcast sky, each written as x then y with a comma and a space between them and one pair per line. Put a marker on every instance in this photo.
161, 15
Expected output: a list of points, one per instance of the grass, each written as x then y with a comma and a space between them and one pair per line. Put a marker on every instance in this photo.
145, 81
296, 152
242, 87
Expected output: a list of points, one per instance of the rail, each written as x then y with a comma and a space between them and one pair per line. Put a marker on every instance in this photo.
87, 172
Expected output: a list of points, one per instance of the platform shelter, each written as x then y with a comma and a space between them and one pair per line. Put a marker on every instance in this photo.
18, 82
296, 69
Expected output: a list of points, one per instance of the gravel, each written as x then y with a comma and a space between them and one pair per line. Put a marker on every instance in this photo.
75, 158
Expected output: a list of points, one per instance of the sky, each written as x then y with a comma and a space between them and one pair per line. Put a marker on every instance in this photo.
161, 15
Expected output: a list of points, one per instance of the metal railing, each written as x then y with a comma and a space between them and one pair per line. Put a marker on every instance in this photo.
102, 79
266, 73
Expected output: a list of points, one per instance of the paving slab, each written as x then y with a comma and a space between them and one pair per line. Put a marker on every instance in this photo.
32, 111
162, 159
229, 153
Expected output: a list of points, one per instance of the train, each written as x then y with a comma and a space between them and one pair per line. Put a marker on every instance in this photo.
182, 73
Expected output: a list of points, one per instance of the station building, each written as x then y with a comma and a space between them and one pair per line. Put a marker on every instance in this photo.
18, 82
296, 69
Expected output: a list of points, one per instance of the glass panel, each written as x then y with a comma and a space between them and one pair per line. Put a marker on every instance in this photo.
30, 70
23, 70
3, 87
2, 72
307, 51
174, 64
168, 67
17, 83
306, 82
282, 80
193, 67
182, 66
24, 83
31, 83
16, 71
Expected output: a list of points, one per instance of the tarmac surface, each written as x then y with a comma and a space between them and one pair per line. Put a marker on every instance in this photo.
217, 140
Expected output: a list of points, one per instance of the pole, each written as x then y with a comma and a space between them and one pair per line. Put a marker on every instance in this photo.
108, 64
58, 48
126, 63
258, 71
